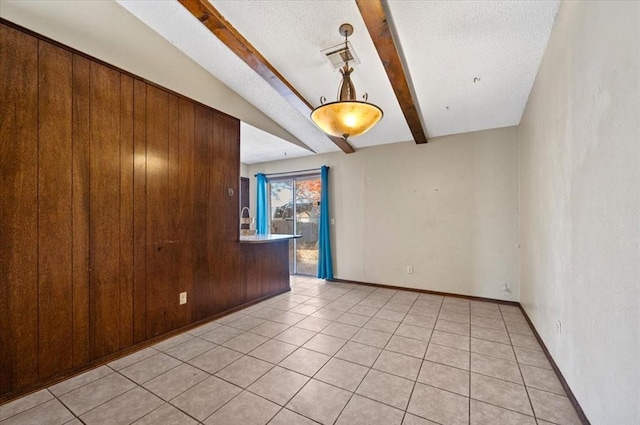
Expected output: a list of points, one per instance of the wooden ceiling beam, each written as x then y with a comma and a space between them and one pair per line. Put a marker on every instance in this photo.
375, 19
218, 25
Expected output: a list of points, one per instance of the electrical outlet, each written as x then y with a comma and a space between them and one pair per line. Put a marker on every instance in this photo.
410, 269
506, 288
333, 221
558, 327
183, 298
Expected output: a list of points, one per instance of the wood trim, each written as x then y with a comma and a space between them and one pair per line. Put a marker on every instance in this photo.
221, 28
377, 22
556, 369
426, 291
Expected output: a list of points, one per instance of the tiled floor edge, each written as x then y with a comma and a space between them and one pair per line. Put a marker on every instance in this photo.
556, 369
47, 382
427, 291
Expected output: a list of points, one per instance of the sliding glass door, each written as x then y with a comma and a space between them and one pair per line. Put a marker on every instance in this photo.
295, 209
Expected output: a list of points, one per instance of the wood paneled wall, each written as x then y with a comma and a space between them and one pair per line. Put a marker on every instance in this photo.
116, 195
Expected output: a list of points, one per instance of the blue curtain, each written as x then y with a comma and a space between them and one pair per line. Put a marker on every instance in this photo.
325, 266
262, 216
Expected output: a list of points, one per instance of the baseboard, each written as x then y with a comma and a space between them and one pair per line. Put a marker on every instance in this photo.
426, 291
37, 386
563, 381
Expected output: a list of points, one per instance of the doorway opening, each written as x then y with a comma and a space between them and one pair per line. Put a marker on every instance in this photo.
294, 205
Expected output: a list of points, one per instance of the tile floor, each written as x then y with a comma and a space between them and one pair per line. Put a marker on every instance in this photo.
324, 353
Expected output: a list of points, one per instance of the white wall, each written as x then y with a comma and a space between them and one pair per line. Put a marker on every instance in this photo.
448, 208
580, 205
107, 31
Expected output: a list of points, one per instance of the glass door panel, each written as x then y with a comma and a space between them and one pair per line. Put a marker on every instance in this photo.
282, 213
307, 212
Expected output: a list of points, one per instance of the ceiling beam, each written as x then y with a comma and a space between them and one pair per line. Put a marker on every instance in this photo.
218, 25
375, 19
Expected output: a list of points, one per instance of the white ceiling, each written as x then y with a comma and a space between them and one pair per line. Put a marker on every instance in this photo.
259, 146
446, 44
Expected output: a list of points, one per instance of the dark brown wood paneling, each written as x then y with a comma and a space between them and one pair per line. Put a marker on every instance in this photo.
104, 256
18, 214
126, 211
266, 268
139, 211
185, 205
55, 203
80, 176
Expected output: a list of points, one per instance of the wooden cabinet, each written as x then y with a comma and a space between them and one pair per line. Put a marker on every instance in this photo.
116, 196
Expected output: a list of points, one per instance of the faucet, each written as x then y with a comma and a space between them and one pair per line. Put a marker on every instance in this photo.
241, 216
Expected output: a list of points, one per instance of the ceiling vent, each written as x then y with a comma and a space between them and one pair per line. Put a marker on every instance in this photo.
340, 54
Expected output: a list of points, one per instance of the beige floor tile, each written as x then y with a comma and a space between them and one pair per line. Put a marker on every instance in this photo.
325, 344
166, 415
362, 411
448, 339
386, 388
448, 356
221, 334
245, 342
453, 327
149, 368
76, 382
340, 330
273, 351
373, 302
525, 341
342, 374
489, 334
190, 349
500, 393
333, 401
493, 349
496, 368
455, 317
542, 379
314, 324
245, 409
269, 329
246, 323
123, 409
486, 322
381, 325
445, 377
519, 328
100, 391
172, 383
287, 417
24, 403
364, 310
553, 408
353, 319
203, 329
408, 346
214, 360
172, 342
410, 419
51, 412
535, 358
305, 309
394, 316
425, 310
415, 332
398, 364
132, 358
439, 405
306, 362
354, 352
399, 307
371, 337
486, 414
244, 371
267, 313
279, 385
422, 321
327, 314
205, 398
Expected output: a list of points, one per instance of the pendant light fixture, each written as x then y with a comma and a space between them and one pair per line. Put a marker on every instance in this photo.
346, 117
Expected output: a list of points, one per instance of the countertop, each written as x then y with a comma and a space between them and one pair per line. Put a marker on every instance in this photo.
266, 238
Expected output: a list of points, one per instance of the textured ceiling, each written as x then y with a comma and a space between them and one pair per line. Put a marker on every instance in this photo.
259, 146
445, 44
